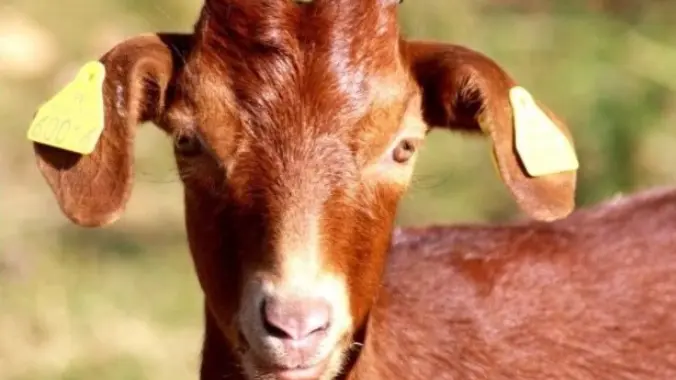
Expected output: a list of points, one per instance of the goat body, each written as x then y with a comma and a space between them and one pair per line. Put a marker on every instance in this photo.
588, 297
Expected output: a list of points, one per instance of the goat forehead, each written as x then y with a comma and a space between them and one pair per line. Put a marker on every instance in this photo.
312, 89
283, 61
309, 165
276, 22
292, 73
317, 108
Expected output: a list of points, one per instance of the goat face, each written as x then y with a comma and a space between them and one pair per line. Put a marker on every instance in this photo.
297, 142
296, 128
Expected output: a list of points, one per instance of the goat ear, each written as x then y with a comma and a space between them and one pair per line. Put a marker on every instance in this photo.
93, 189
465, 90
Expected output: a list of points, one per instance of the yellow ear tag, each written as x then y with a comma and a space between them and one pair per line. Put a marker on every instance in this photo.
73, 119
543, 148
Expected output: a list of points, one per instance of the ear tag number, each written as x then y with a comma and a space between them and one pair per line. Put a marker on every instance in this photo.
73, 119
543, 148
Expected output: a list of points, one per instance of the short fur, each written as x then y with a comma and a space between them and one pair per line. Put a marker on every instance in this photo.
589, 297
288, 121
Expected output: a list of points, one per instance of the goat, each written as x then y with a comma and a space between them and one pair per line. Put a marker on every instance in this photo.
296, 128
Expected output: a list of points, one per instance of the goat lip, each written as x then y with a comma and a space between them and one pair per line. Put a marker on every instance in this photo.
299, 373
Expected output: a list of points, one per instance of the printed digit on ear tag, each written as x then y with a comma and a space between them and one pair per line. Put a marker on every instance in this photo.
543, 148
73, 119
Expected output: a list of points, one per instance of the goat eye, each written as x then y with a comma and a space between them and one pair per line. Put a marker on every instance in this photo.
404, 151
187, 145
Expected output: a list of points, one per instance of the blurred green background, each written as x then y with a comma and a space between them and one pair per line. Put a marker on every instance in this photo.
123, 303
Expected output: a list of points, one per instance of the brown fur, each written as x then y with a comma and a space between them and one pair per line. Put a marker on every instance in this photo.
288, 120
589, 297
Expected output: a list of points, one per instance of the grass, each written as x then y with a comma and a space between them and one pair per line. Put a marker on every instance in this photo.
122, 304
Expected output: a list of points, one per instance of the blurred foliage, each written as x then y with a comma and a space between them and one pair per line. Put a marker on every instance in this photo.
123, 302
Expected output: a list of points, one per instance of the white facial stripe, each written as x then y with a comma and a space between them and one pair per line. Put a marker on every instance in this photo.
304, 272
301, 272
299, 250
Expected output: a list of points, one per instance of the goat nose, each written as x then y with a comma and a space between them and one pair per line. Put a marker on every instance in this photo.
295, 319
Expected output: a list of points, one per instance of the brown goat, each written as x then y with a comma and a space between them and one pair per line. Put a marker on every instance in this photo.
296, 129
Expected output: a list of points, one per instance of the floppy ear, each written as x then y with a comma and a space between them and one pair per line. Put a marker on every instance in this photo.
92, 190
465, 90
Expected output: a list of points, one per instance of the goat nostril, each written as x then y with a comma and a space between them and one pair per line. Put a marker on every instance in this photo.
294, 320
321, 328
270, 328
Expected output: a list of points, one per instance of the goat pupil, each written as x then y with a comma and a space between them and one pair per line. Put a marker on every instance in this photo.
187, 145
404, 151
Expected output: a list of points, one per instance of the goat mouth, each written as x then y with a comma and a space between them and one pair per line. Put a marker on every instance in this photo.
268, 370
313, 372
259, 365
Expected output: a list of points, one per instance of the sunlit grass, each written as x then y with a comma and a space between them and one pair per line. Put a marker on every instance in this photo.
121, 304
